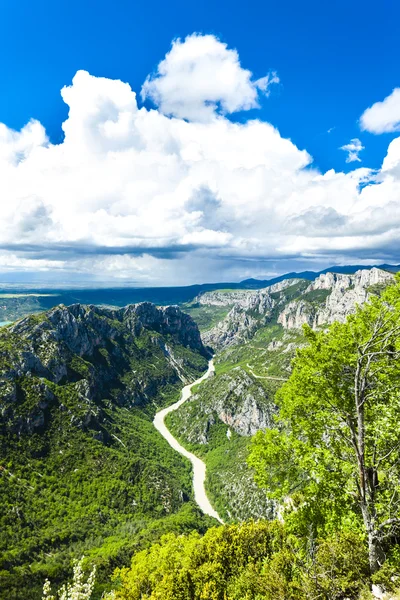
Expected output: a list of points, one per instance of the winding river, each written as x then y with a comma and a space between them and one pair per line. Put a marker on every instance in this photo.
199, 468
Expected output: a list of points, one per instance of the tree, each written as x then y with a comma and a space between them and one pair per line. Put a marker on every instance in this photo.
336, 448
244, 561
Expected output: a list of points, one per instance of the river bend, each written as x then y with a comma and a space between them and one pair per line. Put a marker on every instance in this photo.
199, 468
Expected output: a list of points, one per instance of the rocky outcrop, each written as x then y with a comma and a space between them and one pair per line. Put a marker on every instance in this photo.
246, 299
292, 303
84, 328
296, 314
238, 326
219, 298
345, 292
251, 311
98, 355
242, 403
234, 398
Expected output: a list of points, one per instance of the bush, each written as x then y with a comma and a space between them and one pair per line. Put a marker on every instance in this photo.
79, 589
249, 561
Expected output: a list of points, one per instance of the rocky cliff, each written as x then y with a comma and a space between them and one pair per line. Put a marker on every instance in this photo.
251, 308
246, 299
343, 294
234, 398
291, 303
79, 357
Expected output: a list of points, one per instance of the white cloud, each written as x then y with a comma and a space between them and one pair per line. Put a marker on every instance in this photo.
137, 195
383, 117
15, 146
264, 83
353, 149
200, 77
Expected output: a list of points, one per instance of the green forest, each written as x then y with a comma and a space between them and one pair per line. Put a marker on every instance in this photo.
331, 465
328, 466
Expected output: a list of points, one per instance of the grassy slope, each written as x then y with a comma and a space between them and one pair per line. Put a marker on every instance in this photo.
64, 493
254, 356
205, 316
229, 482
267, 354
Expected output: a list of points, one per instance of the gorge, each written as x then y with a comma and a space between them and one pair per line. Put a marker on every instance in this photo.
86, 392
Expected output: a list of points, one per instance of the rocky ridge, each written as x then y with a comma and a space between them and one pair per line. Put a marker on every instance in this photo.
291, 303
246, 299
79, 357
344, 293
250, 309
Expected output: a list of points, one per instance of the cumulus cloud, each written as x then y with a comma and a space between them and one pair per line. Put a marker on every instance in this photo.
200, 77
383, 117
15, 146
183, 194
353, 149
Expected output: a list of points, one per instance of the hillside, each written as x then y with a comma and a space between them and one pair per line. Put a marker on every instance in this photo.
291, 303
217, 425
255, 343
83, 471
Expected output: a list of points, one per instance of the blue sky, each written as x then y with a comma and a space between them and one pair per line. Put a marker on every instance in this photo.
333, 60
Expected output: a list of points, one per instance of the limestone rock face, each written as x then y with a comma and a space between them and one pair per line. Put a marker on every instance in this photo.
297, 314
126, 355
218, 298
238, 326
345, 292
245, 299
235, 398
84, 328
293, 302
243, 406
251, 307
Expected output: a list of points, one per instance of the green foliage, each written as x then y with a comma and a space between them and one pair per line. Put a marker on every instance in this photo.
316, 296
292, 291
198, 427
206, 316
269, 354
251, 561
82, 468
14, 306
65, 493
89, 475
376, 289
335, 453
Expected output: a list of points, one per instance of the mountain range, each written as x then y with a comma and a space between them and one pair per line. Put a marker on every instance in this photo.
16, 302
83, 470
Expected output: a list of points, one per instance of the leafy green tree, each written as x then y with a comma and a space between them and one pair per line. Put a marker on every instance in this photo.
246, 561
334, 456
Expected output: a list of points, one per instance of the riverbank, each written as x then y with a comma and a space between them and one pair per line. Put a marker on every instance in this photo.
199, 468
